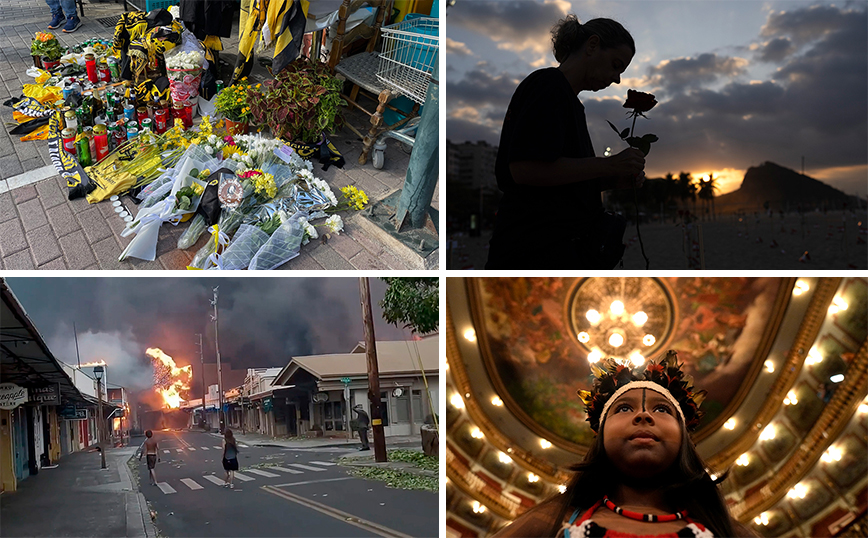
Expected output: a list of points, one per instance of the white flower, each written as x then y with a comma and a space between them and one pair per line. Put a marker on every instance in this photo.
335, 224
212, 139
210, 150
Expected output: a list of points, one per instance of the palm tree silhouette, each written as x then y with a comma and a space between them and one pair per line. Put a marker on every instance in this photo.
686, 189
707, 186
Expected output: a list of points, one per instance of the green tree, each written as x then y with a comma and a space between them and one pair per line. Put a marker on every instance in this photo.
413, 302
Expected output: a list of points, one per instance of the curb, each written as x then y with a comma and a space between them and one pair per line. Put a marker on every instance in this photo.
137, 506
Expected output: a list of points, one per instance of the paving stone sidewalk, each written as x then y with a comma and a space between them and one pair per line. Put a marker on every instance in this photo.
41, 229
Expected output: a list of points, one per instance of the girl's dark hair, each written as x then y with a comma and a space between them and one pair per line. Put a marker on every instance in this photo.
687, 486
568, 35
229, 437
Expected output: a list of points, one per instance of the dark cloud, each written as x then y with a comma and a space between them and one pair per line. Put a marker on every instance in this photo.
460, 130
678, 75
775, 50
807, 24
479, 88
516, 25
262, 321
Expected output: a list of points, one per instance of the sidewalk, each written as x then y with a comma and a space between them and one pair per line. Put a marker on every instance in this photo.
41, 229
77, 498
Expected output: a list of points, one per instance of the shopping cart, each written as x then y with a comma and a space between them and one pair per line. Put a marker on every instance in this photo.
403, 67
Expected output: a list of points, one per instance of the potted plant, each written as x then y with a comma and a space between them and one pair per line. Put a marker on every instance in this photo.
232, 104
300, 103
46, 50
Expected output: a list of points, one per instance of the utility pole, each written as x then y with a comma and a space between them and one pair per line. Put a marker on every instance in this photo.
219, 368
202, 363
75, 334
373, 371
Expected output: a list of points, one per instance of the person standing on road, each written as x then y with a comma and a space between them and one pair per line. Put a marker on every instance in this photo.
152, 452
230, 458
363, 422
63, 14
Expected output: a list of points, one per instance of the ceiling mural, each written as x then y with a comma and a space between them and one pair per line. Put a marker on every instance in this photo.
539, 335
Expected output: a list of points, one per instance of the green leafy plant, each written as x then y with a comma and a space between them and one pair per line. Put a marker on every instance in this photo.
232, 102
299, 103
45, 45
415, 302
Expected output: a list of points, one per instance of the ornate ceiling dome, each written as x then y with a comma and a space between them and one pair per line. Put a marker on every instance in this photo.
783, 360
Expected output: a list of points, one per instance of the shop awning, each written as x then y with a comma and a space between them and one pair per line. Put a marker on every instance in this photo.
24, 357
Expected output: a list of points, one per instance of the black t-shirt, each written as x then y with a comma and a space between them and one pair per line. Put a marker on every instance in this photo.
544, 122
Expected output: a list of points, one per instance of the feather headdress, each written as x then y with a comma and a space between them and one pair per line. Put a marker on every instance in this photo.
612, 378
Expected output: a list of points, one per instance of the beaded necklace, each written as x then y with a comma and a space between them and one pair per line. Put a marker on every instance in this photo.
650, 518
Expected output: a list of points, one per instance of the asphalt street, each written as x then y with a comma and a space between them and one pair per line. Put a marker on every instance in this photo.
278, 492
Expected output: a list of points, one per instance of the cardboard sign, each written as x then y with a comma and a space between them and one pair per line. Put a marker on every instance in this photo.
11, 395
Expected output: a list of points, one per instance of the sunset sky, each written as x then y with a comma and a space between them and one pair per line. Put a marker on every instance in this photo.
739, 82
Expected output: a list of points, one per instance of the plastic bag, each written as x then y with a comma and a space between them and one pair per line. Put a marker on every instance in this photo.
243, 247
283, 245
184, 83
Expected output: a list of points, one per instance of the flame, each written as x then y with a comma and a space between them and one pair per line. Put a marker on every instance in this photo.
177, 379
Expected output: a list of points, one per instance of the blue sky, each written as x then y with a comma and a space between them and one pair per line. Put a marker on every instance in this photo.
739, 82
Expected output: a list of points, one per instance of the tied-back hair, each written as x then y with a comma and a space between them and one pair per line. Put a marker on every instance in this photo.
568, 35
687, 486
229, 437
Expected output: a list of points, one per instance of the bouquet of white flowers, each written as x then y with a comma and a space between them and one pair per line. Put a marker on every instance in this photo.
283, 245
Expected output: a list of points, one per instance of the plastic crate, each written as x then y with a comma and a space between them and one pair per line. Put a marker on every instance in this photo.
150, 5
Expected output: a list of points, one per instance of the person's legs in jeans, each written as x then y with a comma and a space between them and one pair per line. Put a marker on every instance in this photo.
57, 16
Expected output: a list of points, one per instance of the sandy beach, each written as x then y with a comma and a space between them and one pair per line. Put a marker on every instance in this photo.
834, 240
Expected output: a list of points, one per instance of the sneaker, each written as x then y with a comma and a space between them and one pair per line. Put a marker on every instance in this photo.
57, 20
72, 24
231, 486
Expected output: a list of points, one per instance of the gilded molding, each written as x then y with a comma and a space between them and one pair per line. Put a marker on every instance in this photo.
825, 431
790, 369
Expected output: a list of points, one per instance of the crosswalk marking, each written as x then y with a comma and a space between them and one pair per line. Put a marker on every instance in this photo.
326, 463
190, 483
212, 478
165, 452
166, 488
242, 445
179, 450
285, 470
190, 448
243, 478
306, 467
205, 448
262, 473
218, 447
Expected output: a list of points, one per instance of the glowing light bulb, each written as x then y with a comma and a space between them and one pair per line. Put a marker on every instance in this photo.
800, 287
770, 366
791, 398
478, 508
562, 489
584, 337
649, 340
593, 316
837, 378
743, 460
616, 308
470, 335
762, 519
532, 477
768, 433
814, 357
636, 358
545, 443
456, 401
729, 424
798, 492
504, 458
616, 340
496, 401
476, 433
595, 355
832, 454
639, 318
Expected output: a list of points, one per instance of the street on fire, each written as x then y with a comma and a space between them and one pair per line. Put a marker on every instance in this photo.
278, 492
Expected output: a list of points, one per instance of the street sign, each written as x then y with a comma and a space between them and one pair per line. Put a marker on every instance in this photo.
11, 395
345, 380
267, 404
70, 412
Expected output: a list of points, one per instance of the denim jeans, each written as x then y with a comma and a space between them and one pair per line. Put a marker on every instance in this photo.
67, 5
